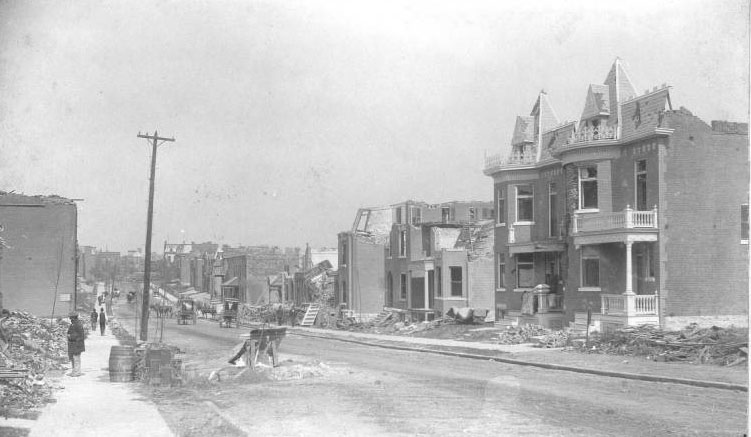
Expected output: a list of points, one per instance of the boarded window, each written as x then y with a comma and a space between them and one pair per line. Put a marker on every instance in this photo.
525, 270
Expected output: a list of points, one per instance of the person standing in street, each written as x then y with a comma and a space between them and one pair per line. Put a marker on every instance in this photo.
102, 320
75, 344
93, 319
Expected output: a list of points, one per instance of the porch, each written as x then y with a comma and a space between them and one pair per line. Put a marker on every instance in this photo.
541, 307
628, 309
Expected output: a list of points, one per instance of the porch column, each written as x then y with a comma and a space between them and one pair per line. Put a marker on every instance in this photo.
629, 279
426, 305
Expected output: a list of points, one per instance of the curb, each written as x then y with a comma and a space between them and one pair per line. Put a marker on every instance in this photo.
608, 373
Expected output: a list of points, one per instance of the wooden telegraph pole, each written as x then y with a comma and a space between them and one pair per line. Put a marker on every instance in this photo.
154, 139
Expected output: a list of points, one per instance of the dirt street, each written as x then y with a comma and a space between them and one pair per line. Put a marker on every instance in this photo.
326, 387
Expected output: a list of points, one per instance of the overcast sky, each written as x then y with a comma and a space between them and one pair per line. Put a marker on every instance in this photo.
289, 115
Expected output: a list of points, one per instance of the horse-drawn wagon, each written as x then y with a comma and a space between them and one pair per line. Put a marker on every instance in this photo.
186, 311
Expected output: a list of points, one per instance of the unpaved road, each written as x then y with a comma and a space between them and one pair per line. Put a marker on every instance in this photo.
327, 387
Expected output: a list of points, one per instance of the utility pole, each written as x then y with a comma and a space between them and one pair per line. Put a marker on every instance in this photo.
154, 139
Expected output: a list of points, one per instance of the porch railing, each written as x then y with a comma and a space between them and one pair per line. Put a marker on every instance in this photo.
628, 305
517, 157
626, 219
541, 303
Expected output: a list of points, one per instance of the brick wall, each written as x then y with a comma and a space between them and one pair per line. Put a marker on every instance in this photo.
368, 278
482, 285
41, 258
705, 182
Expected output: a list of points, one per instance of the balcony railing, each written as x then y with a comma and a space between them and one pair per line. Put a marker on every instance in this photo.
626, 219
589, 134
628, 304
526, 157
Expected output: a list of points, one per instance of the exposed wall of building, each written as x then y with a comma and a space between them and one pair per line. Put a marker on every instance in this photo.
368, 284
37, 270
481, 285
705, 182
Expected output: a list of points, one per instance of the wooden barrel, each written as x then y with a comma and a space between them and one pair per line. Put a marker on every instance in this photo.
122, 362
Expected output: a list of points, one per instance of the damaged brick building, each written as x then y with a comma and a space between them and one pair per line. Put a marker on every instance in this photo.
637, 212
38, 265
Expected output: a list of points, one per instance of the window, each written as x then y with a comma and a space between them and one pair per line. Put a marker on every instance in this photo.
390, 285
590, 268
744, 223
456, 281
501, 207
344, 291
525, 203
525, 270
472, 213
439, 284
501, 283
554, 230
343, 261
402, 243
399, 215
445, 214
403, 286
641, 185
416, 216
588, 187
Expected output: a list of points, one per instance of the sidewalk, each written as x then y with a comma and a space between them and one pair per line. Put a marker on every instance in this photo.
91, 405
610, 365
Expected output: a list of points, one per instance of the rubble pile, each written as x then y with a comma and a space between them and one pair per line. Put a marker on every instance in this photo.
32, 343
715, 345
522, 334
553, 339
31, 346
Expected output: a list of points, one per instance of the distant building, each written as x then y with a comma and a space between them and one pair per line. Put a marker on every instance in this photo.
427, 267
38, 265
360, 282
637, 212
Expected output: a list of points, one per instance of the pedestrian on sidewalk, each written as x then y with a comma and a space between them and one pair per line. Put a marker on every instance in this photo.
102, 320
75, 344
93, 319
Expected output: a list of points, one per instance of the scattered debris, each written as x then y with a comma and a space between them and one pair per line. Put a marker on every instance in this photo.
29, 347
715, 345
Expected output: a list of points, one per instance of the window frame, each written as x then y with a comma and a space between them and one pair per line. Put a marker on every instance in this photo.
500, 218
527, 197
454, 282
438, 285
402, 243
588, 179
519, 263
744, 223
637, 173
554, 230
501, 276
583, 285
402, 286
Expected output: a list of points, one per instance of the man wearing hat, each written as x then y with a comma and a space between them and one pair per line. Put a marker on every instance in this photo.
75, 344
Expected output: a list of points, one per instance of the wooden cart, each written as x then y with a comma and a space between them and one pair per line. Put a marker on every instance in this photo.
229, 315
263, 341
186, 311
